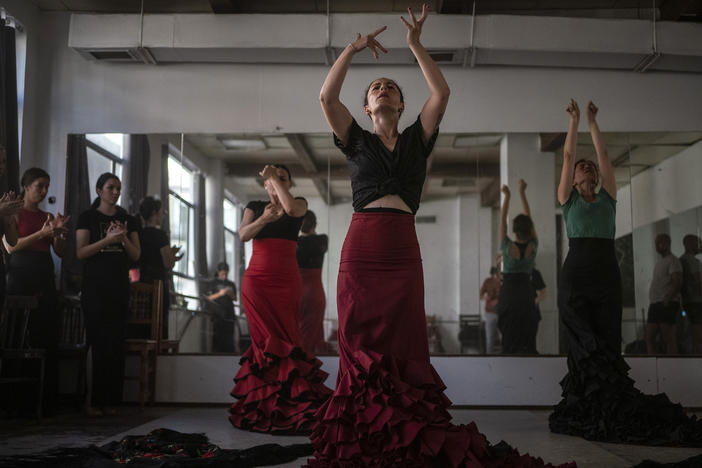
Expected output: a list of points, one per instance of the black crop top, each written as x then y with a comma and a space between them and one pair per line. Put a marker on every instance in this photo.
376, 171
285, 227
311, 250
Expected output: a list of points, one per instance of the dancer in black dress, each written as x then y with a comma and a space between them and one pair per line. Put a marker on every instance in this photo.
600, 401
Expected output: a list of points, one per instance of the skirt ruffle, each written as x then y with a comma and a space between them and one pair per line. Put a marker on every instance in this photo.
601, 403
279, 389
390, 413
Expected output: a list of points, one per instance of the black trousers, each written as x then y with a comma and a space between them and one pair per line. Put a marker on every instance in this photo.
105, 302
31, 273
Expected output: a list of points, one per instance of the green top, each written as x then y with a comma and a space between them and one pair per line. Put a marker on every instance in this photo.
596, 219
517, 265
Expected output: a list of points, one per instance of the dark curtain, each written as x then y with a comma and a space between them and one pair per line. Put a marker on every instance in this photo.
166, 226
77, 200
137, 175
200, 228
8, 108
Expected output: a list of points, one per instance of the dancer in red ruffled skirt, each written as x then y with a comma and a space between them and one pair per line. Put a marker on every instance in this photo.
279, 386
389, 409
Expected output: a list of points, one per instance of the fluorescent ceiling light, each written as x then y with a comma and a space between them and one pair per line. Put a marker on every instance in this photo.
476, 140
242, 143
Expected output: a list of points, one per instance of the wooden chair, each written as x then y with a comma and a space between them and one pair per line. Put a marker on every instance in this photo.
145, 311
72, 344
165, 345
14, 346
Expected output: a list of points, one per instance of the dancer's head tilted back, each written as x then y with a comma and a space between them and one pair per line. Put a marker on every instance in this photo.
383, 95
585, 173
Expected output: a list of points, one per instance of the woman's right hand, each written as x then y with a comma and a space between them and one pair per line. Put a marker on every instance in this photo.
271, 213
10, 204
369, 41
506, 191
591, 112
116, 232
573, 110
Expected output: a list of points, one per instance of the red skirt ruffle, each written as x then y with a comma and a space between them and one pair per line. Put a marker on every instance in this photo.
279, 387
389, 407
312, 308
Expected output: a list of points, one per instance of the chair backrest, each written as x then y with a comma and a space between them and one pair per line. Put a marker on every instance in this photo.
145, 304
72, 333
14, 321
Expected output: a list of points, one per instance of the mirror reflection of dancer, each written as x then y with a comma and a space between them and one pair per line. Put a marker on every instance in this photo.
516, 309
600, 401
311, 248
388, 409
279, 386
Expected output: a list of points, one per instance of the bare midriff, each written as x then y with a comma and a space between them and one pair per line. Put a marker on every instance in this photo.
389, 201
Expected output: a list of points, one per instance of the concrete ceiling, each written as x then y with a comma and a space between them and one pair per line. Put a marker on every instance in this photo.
670, 10
461, 163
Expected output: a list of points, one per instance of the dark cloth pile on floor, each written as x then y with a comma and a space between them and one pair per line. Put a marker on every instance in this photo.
692, 462
162, 448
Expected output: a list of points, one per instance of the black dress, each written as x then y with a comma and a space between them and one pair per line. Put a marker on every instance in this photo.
223, 317
151, 266
105, 300
600, 401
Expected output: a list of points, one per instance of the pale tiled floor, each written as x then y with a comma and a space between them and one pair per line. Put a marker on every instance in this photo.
526, 430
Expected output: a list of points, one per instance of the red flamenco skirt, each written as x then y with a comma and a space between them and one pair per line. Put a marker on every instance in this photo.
312, 309
389, 409
279, 387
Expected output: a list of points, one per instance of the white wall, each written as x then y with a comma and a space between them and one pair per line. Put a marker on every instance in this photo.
75, 95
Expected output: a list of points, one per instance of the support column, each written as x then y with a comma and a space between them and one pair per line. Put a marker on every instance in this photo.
214, 189
521, 158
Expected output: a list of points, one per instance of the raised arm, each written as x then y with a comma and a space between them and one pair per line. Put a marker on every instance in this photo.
565, 186
338, 116
502, 234
606, 170
294, 207
434, 108
525, 205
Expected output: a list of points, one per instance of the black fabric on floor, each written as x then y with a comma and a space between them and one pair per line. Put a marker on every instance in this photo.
162, 448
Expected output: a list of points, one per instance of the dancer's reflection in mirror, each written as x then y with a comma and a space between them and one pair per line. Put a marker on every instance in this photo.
279, 387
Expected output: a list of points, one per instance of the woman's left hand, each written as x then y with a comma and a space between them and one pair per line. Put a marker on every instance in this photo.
414, 30
268, 172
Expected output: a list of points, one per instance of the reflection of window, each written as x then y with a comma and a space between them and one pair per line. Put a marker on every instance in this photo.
232, 246
181, 217
105, 152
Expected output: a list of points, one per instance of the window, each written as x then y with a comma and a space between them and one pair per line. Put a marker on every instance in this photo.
181, 216
105, 153
232, 245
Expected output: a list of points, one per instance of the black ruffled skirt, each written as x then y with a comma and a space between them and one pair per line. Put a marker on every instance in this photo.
600, 401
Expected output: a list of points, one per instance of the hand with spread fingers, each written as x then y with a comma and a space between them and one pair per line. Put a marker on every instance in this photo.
414, 30
370, 42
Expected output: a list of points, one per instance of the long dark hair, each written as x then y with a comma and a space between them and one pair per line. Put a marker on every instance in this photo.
102, 180
30, 175
309, 222
522, 226
148, 206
